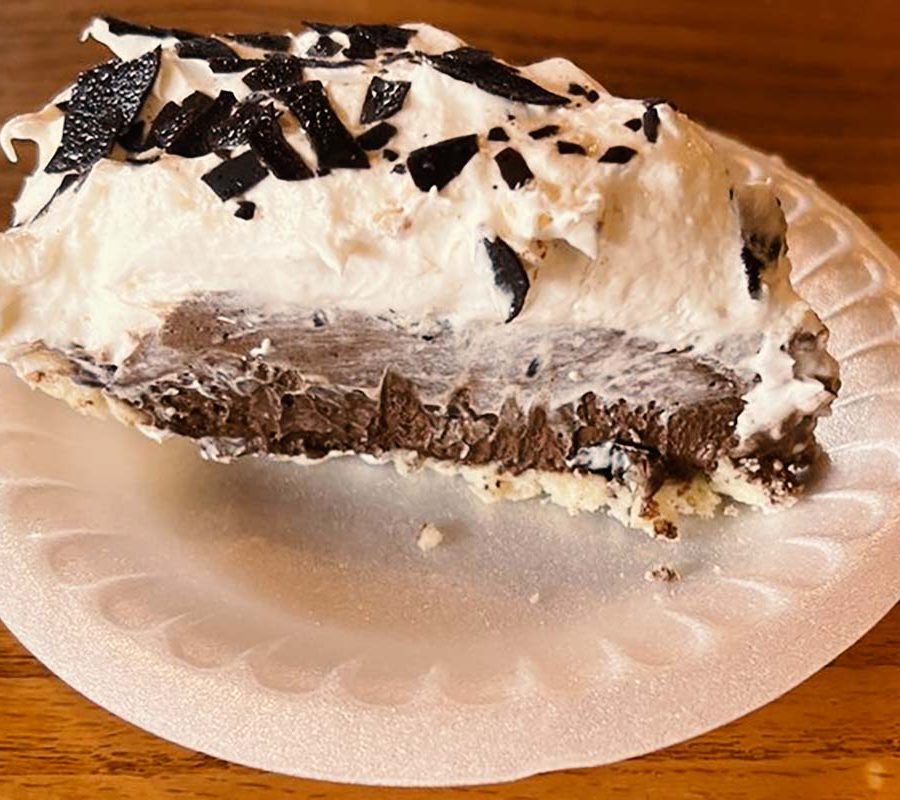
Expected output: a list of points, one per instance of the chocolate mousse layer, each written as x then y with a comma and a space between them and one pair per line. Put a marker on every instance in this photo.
313, 383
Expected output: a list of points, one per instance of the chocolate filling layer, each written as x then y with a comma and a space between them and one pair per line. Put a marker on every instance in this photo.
310, 384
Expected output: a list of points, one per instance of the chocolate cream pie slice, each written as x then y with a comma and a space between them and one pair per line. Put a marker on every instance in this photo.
377, 240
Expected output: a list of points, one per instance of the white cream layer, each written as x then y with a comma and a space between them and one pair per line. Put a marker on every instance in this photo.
651, 247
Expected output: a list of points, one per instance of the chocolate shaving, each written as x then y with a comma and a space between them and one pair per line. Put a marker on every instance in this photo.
377, 137
132, 138
121, 27
104, 103
399, 169
591, 95
194, 138
361, 48
235, 131
390, 155
651, 124
334, 146
403, 55
533, 366
325, 47
245, 209
479, 68
366, 40
660, 101
438, 164
570, 149
498, 134
236, 176
509, 274
173, 118
513, 168
545, 132
205, 48
383, 99
322, 63
633, 124
262, 41
277, 71
618, 154
268, 142
233, 64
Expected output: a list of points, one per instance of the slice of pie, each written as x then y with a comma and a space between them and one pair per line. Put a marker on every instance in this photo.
376, 240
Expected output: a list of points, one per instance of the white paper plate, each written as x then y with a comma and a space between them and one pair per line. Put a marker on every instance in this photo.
284, 617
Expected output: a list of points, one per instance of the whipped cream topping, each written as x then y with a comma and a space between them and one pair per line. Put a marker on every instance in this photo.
627, 219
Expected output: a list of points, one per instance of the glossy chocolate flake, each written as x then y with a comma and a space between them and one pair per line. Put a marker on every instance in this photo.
390, 155
132, 138
245, 209
438, 164
366, 39
513, 168
194, 138
173, 118
275, 72
234, 177
236, 129
618, 154
651, 124
633, 124
659, 101
498, 134
377, 137
335, 147
121, 27
570, 149
479, 68
104, 103
204, 48
325, 47
545, 132
263, 41
268, 142
509, 274
383, 99
227, 64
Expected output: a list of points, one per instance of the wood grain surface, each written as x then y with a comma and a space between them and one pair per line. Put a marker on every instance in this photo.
814, 80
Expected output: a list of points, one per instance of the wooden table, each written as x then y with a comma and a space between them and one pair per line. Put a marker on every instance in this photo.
815, 80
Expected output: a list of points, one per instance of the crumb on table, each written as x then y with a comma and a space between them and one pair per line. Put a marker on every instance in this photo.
430, 537
663, 574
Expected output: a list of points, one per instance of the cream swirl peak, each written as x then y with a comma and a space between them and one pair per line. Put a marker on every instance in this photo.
394, 174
